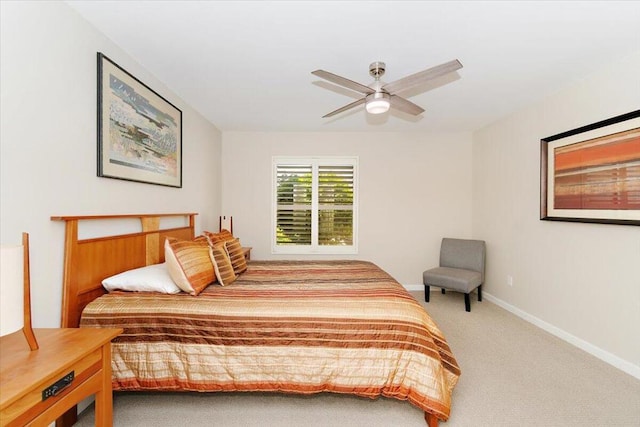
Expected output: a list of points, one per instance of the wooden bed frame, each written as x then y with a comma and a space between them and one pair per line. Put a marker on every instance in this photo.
88, 261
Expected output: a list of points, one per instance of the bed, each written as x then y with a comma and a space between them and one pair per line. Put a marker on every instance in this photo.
283, 326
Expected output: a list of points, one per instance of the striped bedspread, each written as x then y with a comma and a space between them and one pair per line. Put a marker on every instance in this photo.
286, 326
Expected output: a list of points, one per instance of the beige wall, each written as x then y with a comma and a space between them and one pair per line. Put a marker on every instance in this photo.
580, 281
413, 189
48, 142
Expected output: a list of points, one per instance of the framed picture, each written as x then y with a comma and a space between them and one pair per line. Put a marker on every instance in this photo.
139, 132
592, 174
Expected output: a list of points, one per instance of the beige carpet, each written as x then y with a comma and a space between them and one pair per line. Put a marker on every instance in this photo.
513, 374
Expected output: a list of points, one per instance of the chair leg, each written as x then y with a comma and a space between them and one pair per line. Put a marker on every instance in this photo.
427, 290
442, 291
480, 293
467, 302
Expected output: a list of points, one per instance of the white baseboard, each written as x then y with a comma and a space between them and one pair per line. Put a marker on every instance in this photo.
601, 354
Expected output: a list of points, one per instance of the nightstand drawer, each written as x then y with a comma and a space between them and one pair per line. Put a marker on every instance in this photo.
25, 374
24, 409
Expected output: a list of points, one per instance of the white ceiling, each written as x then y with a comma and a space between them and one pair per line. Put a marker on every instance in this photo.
246, 66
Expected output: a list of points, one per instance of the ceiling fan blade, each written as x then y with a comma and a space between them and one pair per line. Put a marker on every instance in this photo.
334, 78
345, 108
404, 105
422, 76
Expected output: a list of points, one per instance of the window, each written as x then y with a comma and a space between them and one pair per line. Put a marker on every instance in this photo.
315, 205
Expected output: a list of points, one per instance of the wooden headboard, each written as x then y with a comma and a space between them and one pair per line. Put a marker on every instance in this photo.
88, 261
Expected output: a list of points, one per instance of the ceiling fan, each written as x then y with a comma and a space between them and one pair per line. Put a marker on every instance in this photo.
379, 96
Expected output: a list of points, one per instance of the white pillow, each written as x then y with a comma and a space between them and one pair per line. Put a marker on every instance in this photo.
151, 278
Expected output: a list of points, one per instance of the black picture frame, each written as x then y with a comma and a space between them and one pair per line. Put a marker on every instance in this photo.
592, 174
139, 131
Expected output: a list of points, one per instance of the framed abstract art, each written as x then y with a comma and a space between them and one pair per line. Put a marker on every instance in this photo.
139, 131
592, 174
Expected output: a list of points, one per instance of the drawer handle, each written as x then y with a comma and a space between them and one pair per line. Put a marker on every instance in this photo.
58, 386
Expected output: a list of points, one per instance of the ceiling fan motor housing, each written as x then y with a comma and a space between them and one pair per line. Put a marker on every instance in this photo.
377, 69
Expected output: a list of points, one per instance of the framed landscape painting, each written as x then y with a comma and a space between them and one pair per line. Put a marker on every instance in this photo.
139, 132
592, 174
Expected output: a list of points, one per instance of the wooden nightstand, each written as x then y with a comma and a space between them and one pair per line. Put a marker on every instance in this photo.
247, 252
32, 383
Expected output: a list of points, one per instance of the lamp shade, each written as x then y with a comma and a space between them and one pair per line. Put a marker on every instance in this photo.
11, 289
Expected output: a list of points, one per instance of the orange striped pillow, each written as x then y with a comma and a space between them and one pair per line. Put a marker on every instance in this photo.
190, 264
222, 236
201, 239
236, 255
222, 264
204, 240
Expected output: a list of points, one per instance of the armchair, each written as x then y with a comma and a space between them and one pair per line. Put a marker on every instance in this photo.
461, 269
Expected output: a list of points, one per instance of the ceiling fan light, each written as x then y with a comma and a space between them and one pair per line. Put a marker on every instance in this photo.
377, 103
377, 106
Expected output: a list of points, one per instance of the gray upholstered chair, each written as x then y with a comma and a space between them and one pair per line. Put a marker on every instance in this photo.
461, 268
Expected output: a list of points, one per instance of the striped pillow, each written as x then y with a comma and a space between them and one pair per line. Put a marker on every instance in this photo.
222, 236
222, 264
201, 239
204, 240
190, 264
236, 255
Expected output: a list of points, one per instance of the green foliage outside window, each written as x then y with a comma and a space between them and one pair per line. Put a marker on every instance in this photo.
335, 205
